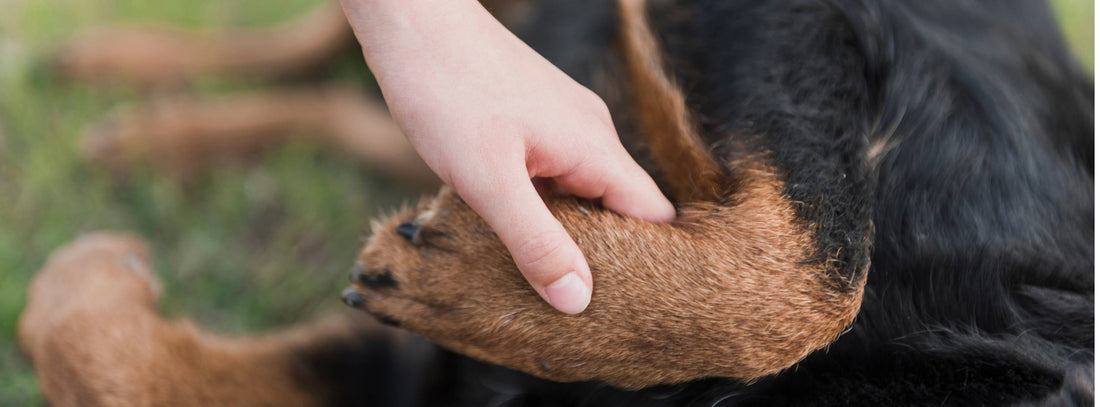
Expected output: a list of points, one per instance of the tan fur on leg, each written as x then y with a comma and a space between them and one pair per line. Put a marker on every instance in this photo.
183, 134
663, 113
723, 292
728, 290
148, 56
91, 330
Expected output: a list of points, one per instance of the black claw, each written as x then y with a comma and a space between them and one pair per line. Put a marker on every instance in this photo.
378, 280
352, 298
408, 229
388, 321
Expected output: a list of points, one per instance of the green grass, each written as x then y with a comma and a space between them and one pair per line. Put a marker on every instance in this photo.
1077, 24
247, 247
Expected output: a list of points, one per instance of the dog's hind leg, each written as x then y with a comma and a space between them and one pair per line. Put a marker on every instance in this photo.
183, 134
151, 56
92, 332
148, 56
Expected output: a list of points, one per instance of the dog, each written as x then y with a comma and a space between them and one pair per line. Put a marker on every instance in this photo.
879, 203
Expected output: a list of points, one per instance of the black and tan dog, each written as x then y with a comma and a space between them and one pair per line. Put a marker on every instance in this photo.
913, 178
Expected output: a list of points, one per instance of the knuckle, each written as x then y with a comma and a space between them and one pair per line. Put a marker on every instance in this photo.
602, 111
593, 98
596, 104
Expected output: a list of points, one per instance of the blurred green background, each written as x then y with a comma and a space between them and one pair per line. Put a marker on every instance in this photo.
244, 248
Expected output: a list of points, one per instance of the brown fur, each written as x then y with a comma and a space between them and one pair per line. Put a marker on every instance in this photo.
723, 291
153, 56
182, 135
92, 331
158, 57
666, 123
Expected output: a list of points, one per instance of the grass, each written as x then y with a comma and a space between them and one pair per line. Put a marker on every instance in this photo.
246, 248
1076, 17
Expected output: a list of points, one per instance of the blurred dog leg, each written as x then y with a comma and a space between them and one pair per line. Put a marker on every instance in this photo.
183, 135
92, 332
148, 56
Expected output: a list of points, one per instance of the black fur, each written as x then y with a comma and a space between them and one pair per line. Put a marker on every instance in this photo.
981, 196
374, 369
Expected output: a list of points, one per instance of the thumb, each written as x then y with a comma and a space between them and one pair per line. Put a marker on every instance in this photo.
542, 249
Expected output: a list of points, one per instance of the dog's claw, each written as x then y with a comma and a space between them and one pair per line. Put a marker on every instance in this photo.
408, 230
352, 298
377, 280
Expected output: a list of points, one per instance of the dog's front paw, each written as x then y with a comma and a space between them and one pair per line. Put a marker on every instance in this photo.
718, 294
442, 272
438, 270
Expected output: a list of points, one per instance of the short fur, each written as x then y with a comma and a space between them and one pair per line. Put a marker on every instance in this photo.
931, 159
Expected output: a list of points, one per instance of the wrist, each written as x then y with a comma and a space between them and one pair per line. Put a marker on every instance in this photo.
424, 43
380, 23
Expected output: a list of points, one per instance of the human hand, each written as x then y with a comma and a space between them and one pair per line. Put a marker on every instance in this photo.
488, 114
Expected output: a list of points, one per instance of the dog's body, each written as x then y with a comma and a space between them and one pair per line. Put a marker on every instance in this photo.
931, 160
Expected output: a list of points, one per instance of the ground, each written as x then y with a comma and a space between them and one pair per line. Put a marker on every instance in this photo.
244, 248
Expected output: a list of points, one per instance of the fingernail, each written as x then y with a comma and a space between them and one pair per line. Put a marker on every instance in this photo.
569, 294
